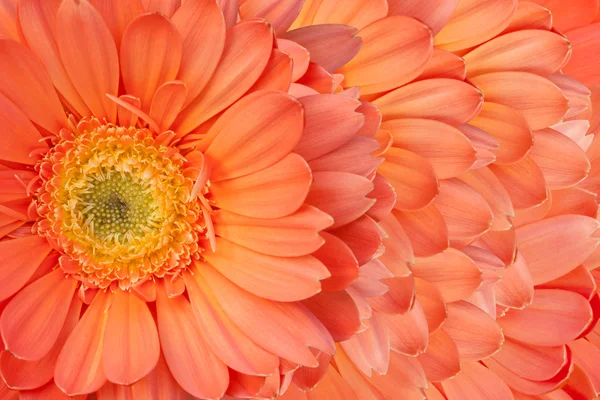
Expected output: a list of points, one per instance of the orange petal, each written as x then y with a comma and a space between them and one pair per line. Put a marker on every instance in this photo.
465, 210
440, 362
562, 161
585, 42
338, 313
501, 243
530, 15
555, 317
409, 333
191, 361
476, 334
318, 79
166, 7
281, 14
555, 246
307, 378
579, 97
27, 85
443, 64
284, 329
300, 57
426, 138
411, 176
580, 280
254, 134
49, 391
454, 274
394, 52
356, 380
330, 45
432, 303
228, 342
426, 230
370, 349
585, 355
277, 75
509, 128
8, 20
79, 27
150, 55
340, 262
126, 117
524, 182
515, 290
474, 22
118, 15
355, 157
131, 347
274, 192
363, 236
244, 386
37, 20
435, 13
341, 195
167, 102
199, 58
79, 368
429, 99
400, 297
275, 278
539, 100
537, 363
291, 236
535, 51
573, 201
398, 250
404, 370
245, 55
580, 385
331, 121
568, 16
476, 382
32, 320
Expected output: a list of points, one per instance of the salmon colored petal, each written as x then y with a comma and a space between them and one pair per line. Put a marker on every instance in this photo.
244, 386
37, 20
199, 58
540, 101
166, 7
427, 137
426, 230
228, 342
579, 97
50, 392
356, 380
465, 210
308, 378
333, 387
432, 303
476, 382
274, 192
443, 64
159, 384
275, 278
568, 16
330, 45
404, 370
398, 249
530, 15
245, 55
503, 244
555, 246
535, 51
300, 57
118, 15
370, 282
281, 14
27, 85
32, 320
476, 334
474, 22
131, 347
573, 201
585, 41
524, 182
370, 349
562, 161
126, 117
411, 176
395, 50
254, 134
291, 236
537, 363
8, 20
585, 355
341, 195
284, 329
191, 361
580, 280
435, 13
318, 79
409, 334
429, 99
454, 274
509, 128
355, 157
338, 313
331, 121
79, 27
150, 56
166, 103
555, 317
340, 262
399, 299
441, 361
484, 144
79, 368
580, 385
515, 290
277, 75
363, 236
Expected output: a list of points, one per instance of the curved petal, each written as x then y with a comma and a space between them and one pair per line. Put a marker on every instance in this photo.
370, 349
355, 157
408, 332
338, 313
280, 13
79, 27
573, 201
443, 64
426, 230
166, 7
398, 249
166, 103
530, 15
435, 13
585, 355
395, 50
532, 362
118, 14
586, 47
300, 57
476, 382
441, 361
515, 290
363, 236
400, 297
432, 302
568, 16
340, 262
524, 182
277, 75
275, 278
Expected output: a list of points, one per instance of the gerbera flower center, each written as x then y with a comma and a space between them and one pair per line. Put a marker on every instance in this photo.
117, 204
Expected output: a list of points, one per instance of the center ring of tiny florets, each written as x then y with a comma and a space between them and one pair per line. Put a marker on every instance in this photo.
117, 204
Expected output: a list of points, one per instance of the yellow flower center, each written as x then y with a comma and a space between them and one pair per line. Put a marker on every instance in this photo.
117, 203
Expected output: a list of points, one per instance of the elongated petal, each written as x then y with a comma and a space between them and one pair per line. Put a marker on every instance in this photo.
426, 230
300, 57
515, 290
398, 250
93, 73
585, 42
524, 182
280, 13
441, 360
363, 236
435, 13
585, 355
577, 13
166, 103
443, 64
338, 313
537, 363
118, 15
357, 13
432, 302
429, 99
340, 262
555, 246
166, 7
530, 15
409, 333
370, 349
476, 382
387, 61
277, 75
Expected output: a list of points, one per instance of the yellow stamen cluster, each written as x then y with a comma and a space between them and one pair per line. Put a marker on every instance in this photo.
118, 204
